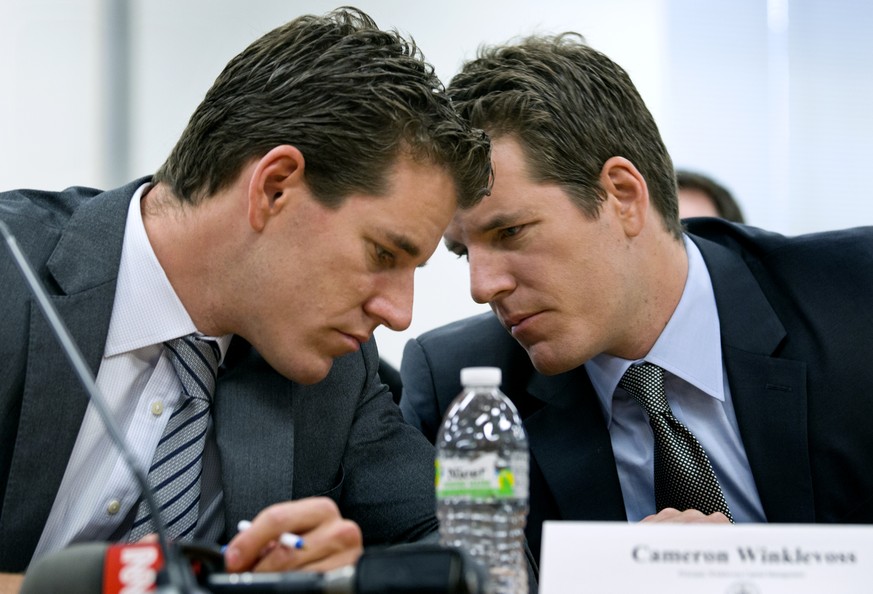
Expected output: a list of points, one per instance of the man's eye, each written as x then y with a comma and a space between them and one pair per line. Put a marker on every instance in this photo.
509, 232
461, 253
384, 257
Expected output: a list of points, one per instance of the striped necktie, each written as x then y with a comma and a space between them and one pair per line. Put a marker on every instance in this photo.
176, 466
684, 478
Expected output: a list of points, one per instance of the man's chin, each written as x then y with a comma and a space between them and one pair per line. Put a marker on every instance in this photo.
312, 378
304, 372
546, 362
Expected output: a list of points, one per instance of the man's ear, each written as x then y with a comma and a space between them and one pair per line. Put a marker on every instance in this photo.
624, 183
276, 181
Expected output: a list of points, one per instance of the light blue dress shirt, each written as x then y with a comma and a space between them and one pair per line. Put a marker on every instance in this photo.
689, 351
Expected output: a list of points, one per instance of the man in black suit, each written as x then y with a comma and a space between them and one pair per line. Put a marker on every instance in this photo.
318, 173
762, 341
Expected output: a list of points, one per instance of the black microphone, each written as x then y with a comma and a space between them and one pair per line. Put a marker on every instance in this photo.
100, 568
178, 578
410, 569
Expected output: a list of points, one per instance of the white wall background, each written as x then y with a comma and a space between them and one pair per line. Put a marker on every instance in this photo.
771, 97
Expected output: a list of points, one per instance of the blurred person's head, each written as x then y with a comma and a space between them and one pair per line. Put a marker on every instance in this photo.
702, 196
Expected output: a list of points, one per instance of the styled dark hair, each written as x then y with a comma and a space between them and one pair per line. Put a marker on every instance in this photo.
351, 97
720, 196
571, 108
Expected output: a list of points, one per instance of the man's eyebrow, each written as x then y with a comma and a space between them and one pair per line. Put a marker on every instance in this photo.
505, 219
403, 243
497, 221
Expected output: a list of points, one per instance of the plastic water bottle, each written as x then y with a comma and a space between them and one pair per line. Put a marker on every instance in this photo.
482, 479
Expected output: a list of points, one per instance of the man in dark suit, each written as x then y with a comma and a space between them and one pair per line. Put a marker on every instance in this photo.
758, 341
286, 225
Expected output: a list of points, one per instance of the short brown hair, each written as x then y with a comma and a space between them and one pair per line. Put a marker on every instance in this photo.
348, 95
572, 109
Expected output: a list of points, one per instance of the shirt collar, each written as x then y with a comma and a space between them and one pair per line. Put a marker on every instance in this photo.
146, 310
689, 347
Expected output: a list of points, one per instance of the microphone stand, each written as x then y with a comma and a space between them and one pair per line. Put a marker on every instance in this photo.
179, 577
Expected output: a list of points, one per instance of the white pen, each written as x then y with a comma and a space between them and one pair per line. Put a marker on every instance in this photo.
288, 540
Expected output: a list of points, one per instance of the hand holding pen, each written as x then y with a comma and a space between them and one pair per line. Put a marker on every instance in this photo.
286, 539
308, 534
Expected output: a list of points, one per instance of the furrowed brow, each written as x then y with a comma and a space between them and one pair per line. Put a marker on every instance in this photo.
498, 221
403, 243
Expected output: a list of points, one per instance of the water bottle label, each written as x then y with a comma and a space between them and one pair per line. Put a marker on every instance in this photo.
476, 478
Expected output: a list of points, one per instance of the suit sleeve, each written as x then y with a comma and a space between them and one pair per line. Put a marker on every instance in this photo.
389, 469
419, 403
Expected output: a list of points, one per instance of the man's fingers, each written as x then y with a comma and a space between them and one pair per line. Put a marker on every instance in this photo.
333, 544
689, 516
329, 541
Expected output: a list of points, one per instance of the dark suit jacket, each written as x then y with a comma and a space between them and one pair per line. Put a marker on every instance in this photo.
278, 440
796, 319
390, 376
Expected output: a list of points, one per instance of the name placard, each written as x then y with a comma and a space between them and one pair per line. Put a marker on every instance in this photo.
615, 557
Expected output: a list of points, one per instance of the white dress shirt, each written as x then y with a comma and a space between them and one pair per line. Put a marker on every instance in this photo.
141, 389
689, 351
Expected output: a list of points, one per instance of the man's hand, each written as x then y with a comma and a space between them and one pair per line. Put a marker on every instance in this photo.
329, 541
10, 583
689, 516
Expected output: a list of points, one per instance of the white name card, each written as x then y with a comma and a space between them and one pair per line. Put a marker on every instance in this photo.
615, 557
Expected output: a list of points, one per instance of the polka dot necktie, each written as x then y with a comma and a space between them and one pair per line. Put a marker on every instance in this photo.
684, 478
178, 460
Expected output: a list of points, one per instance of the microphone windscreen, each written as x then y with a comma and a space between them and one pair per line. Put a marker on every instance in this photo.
74, 570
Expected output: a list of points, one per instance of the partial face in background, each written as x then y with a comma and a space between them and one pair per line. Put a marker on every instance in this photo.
325, 278
558, 280
694, 203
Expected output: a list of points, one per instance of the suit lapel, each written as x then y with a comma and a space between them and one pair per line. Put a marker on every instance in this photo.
768, 392
571, 445
82, 268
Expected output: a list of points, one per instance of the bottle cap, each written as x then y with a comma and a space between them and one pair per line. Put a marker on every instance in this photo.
480, 376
